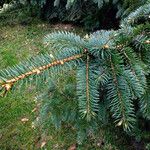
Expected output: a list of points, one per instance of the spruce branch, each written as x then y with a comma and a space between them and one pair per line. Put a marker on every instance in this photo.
111, 74
141, 12
121, 103
145, 104
134, 72
63, 39
87, 86
87, 89
7, 85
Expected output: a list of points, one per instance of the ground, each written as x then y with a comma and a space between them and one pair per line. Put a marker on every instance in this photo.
18, 42
17, 110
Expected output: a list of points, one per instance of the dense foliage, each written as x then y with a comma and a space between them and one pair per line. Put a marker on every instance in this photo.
112, 77
93, 14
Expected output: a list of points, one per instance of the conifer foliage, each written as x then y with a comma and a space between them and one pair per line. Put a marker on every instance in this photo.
112, 71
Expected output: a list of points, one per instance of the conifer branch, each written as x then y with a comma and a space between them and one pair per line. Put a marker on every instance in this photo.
118, 91
87, 89
121, 104
87, 85
109, 64
135, 73
7, 85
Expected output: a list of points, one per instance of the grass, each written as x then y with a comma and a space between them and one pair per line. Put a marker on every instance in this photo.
16, 44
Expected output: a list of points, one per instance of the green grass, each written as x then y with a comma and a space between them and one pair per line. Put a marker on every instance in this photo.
20, 42
16, 44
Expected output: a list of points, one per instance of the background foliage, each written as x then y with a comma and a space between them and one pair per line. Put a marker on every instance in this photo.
93, 14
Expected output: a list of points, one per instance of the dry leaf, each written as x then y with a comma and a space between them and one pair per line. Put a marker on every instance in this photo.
72, 147
24, 120
43, 144
35, 109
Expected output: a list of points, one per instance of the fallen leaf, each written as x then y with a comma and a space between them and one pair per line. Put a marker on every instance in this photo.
43, 144
35, 109
72, 147
24, 120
